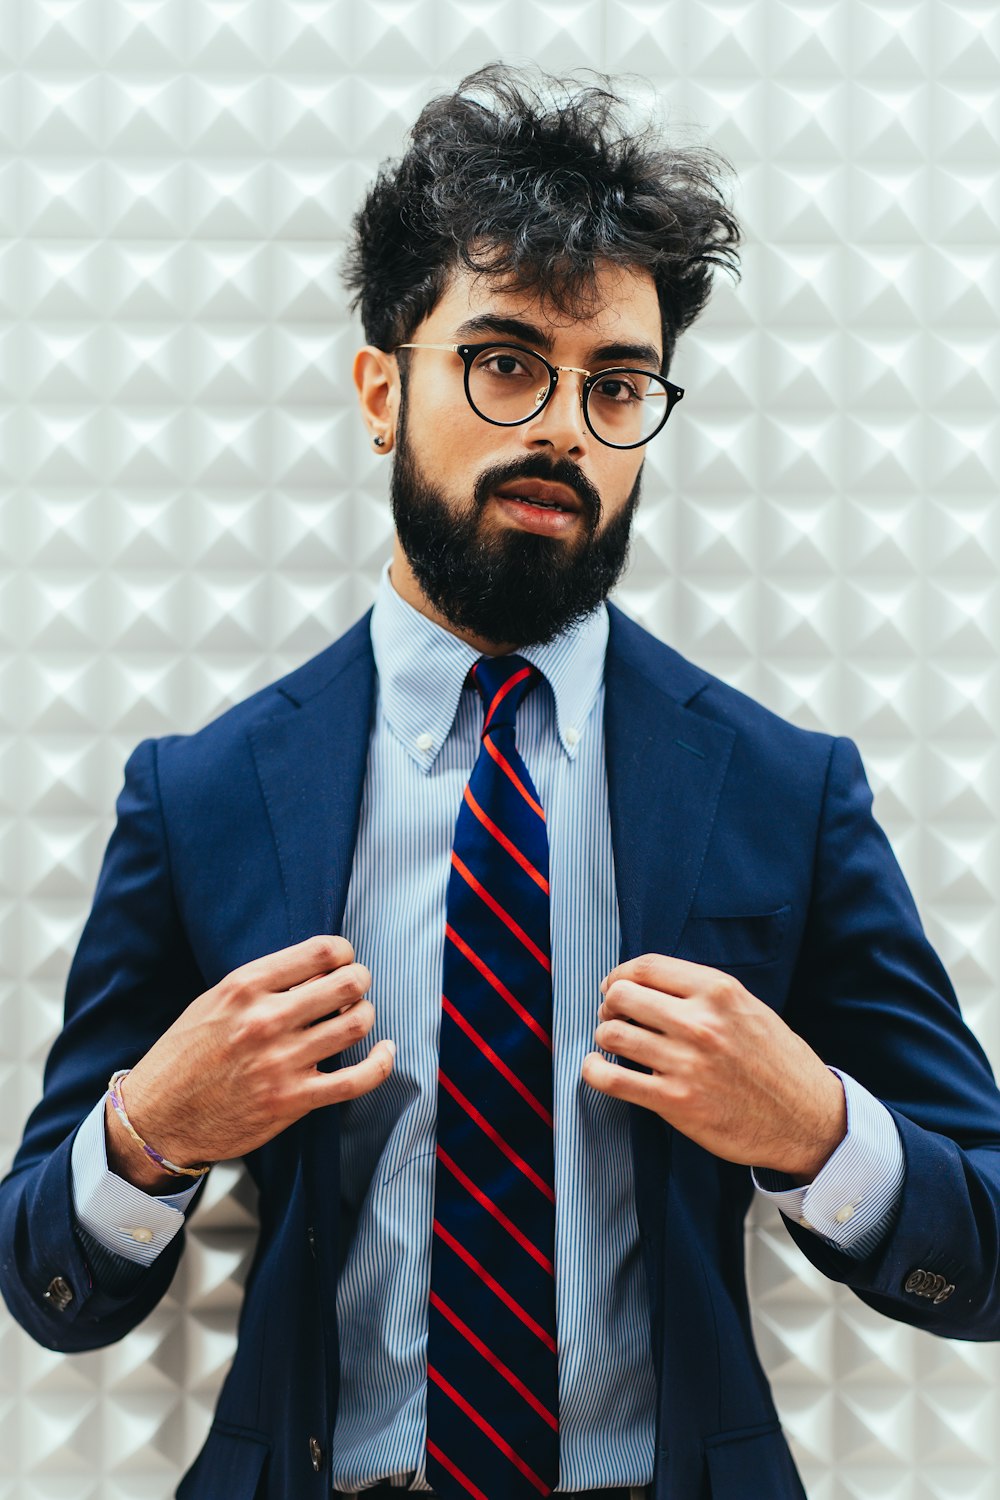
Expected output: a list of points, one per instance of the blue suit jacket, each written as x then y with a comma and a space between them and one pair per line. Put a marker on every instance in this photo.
739, 841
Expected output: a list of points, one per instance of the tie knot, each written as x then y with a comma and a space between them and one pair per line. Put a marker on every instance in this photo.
503, 682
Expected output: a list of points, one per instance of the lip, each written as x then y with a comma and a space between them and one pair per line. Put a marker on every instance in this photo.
541, 489
532, 518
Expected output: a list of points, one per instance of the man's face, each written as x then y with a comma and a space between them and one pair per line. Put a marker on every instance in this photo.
502, 570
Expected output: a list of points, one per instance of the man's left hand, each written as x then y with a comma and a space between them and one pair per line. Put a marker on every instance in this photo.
726, 1069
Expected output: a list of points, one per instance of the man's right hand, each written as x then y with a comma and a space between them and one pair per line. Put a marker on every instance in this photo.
238, 1066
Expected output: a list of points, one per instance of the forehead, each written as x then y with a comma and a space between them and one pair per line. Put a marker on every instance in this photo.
622, 305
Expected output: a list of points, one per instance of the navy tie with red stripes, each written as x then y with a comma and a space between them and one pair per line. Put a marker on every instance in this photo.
492, 1385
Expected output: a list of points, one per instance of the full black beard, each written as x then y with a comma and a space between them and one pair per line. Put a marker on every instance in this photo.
507, 586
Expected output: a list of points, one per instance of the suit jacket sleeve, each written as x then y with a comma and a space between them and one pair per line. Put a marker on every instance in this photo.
132, 974
871, 996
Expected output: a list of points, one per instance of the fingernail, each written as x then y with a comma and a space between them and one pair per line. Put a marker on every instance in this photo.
604, 986
392, 1047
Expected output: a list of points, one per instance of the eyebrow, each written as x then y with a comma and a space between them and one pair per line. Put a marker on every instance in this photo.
528, 333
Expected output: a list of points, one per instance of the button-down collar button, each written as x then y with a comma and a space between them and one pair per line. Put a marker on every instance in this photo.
805, 1222
843, 1214
572, 734
424, 741
142, 1234
59, 1293
315, 1454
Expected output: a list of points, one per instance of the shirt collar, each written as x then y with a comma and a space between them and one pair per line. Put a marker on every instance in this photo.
422, 669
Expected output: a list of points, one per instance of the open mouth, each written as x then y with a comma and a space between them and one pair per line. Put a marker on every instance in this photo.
544, 516
541, 495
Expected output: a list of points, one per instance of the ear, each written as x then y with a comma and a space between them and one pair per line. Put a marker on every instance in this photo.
376, 376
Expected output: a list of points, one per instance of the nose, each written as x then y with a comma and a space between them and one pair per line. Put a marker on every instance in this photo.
559, 424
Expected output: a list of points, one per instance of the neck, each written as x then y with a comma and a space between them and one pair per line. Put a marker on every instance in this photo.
404, 581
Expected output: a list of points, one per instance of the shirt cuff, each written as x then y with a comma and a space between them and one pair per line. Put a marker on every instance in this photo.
853, 1200
122, 1217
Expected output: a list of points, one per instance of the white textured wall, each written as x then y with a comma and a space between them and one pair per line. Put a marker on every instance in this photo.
188, 508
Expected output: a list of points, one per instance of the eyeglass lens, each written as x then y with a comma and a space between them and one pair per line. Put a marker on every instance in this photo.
507, 385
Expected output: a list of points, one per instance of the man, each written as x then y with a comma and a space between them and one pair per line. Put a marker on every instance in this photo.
509, 948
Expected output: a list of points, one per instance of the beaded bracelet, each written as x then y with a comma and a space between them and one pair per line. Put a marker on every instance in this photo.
161, 1161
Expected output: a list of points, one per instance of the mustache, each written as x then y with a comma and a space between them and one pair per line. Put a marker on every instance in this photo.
562, 472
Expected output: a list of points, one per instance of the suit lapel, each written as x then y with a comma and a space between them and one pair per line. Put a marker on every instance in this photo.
665, 769
311, 764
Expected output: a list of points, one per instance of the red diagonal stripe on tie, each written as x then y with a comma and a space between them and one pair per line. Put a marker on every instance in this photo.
502, 839
499, 986
494, 906
494, 1285
508, 770
502, 692
495, 1361
498, 1213
496, 1060
490, 1431
455, 1471
495, 1136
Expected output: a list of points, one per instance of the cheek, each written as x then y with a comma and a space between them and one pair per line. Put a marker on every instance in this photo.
616, 483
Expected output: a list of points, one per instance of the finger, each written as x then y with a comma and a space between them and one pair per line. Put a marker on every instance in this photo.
620, 1083
653, 1009
675, 976
352, 1081
302, 961
634, 1042
327, 994
334, 1034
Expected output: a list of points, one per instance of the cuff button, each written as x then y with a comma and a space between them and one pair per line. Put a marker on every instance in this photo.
59, 1293
928, 1284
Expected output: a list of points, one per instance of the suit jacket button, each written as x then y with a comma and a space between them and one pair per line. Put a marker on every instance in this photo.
945, 1292
315, 1454
916, 1282
59, 1293
311, 1237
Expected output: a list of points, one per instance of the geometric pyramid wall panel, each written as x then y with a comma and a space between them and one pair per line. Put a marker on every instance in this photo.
189, 507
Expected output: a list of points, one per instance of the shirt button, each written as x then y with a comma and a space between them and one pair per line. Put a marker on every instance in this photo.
143, 1235
424, 741
843, 1214
805, 1222
572, 735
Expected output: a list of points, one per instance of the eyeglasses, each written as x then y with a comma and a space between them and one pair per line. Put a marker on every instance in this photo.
507, 385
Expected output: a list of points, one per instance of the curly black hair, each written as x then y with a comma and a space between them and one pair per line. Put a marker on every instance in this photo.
512, 185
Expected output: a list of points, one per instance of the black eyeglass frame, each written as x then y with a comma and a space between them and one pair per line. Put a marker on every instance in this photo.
468, 352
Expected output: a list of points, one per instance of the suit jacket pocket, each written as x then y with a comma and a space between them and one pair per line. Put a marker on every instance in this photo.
750, 1464
230, 1464
737, 941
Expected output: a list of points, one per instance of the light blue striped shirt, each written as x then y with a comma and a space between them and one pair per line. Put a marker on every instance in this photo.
424, 743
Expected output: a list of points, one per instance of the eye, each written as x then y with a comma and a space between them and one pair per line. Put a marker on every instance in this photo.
505, 364
617, 388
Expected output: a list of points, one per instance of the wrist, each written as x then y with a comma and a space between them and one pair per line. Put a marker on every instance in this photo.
831, 1130
128, 1160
